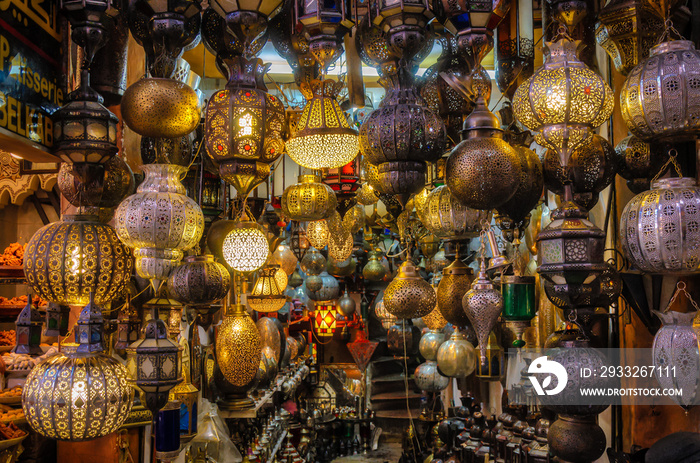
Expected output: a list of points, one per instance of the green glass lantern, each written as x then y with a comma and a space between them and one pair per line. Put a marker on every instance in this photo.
519, 306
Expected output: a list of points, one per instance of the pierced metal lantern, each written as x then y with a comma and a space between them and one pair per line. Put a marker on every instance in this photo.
340, 246
28, 330
446, 217
456, 357
267, 296
563, 100
373, 269
308, 200
199, 282
483, 170
329, 289
676, 345
161, 108
153, 363
408, 295
79, 395
238, 349
285, 258
639, 162
159, 221
246, 248
527, 194
354, 219
626, 30
404, 22
455, 282
660, 98
324, 138
313, 262
591, 168
483, 305
324, 318
434, 320
317, 233
660, 229
107, 190
366, 195
67, 260
325, 24
128, 327
386, 318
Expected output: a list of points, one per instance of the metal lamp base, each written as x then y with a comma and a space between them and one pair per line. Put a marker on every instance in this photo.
232, 403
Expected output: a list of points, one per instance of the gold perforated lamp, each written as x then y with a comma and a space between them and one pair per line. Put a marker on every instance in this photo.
309, 199
324, 138
246, 248
267, 296
564, 100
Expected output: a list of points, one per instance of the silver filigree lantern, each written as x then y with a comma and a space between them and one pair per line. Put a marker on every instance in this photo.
483, 304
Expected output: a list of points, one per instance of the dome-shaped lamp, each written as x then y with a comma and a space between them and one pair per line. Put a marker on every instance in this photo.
267, 296
408, 295
308, 200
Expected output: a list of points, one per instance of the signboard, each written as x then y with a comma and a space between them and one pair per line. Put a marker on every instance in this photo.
30, 69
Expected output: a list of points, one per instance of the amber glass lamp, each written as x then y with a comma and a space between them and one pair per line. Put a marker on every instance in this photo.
324, 138
267, 296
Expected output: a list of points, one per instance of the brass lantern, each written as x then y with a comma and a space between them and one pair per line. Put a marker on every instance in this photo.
408, 295
267, 296
199, 282
238, 349
483, 170
626, 30
340, 246
483, 304
446, 217
324, 138
67, 260
328, 290
246, 248
564, 100
456, 357
454, 284
317, 233
325, 24
434, 320
80, 395
284, 257
659, 99
639, 162
308, 200
313, 262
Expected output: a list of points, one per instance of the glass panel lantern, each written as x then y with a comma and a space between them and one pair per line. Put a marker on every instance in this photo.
28, 330
324, 319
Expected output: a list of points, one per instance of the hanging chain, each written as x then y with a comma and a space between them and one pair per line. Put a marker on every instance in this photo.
672, 160
680, 288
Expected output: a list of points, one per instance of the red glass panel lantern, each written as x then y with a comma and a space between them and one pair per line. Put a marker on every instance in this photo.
324, 319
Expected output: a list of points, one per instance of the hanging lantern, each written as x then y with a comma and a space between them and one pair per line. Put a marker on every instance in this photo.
658, 99
128, 327
344, 183
592, 167
346, 305
298, 242
245, 247
354, 219
446, 217
285, 258
386, 318
267, 296
366, 195
659, 228
153, 363
456, 357
404, 23
238, 349
639, 162
434, 320
328, 291
491, 366
56, 320
408, 295
161, 108
483, 171
676, 346
80, 395
563, 100
323, 139
159, 222
373, 269
308, 200
324, 318
317, 233
519, 306
313, 262
403, 338
295, 280
428, 378
199, 282
455, 282
67, 260
28, 330
106, 192
626, 29
430, 343
340, 246
483, 305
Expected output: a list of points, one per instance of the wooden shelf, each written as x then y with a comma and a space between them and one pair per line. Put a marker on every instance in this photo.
251, 412
397, 414
388, 378
395, 395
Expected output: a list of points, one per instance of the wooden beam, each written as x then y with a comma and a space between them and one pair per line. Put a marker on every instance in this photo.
39, 209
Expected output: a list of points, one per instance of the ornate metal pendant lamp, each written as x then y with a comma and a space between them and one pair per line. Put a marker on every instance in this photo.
408, 295
267, 295
308, 200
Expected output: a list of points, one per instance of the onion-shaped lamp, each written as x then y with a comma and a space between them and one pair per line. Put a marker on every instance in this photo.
456, 357
455, 282
199, 282
563, 100
308, 200
82, 394
483, 305
408, 295
246, 248
65, 261
324, 138
317, 233
267, 296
